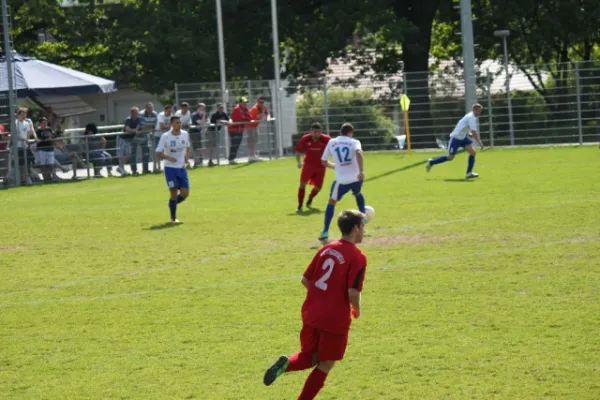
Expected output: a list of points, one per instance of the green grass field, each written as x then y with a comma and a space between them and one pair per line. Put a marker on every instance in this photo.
474, 290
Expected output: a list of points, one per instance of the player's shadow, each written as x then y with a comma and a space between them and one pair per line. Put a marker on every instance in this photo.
160, 227
388, 173
459, 180
307, 212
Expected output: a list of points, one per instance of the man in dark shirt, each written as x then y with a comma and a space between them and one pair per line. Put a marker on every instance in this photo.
45, 149
132, 128
218, 119
199, 120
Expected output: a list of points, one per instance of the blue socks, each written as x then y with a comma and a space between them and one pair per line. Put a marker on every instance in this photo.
360, 202
438, 160
173, 208
180, 198
471, 164
328, 216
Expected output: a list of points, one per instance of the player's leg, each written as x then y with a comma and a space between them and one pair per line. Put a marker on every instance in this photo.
171, 178
360, 199
304, 359
317, 181
452, 148
471, 163
331, 348
337, 191
183, 183
304, 178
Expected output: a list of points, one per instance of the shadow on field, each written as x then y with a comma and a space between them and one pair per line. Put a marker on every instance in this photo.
388, 173
165, 225
306, 213
459, 180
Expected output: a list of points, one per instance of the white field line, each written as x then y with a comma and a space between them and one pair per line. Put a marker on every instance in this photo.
205, 260
281, 279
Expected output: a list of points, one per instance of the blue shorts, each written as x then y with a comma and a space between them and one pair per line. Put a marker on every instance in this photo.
455, 144
177, 178
338, 190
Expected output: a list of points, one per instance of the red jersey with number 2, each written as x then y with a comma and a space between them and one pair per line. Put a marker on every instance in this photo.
337, 267
312, 149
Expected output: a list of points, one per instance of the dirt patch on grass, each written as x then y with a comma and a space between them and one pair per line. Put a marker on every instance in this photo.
12, 248
402, 239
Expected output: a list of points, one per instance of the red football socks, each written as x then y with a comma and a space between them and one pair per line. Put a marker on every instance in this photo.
301, 192
313, 384
299, 362
313, 193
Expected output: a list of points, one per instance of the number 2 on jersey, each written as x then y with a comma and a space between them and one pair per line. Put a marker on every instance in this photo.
346, 158
328, 267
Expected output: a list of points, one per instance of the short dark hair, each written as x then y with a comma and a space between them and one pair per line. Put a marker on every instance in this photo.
346, 129
175, 118
219, 105
91, 127
168, 106
348, 219
42, 119
316, 125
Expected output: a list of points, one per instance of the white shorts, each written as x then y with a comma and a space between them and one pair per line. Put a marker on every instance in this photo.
45, 157
123, 147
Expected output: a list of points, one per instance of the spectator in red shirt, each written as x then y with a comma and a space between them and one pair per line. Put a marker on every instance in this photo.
258, 113
333, 281
312, 145
239, 114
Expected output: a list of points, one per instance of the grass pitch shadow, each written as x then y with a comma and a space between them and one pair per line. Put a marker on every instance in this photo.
162, 226
459, 180
394, 171
306, 213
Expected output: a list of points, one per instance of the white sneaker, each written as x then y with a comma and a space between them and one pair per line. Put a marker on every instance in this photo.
428, 167
472, 175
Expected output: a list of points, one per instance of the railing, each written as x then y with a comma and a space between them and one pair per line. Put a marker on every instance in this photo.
83, 151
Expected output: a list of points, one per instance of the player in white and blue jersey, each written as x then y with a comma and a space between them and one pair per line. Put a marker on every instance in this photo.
460, 138
349, 172
174, 148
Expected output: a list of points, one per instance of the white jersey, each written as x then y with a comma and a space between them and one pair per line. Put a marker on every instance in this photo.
186, 119
23, 129
174, 146
466, 124
343, 150
165, 119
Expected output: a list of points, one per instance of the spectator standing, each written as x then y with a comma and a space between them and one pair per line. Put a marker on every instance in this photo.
45, 150
132, 126
218, 119
163, 124
141, 139
98, 156
258, 113
4, 167
199, 121
185, 116
25, 131
239, 115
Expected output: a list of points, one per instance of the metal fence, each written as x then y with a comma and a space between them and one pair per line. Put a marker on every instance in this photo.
550, 103
85, 156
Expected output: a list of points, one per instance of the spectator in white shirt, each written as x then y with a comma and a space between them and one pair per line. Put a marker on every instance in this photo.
185, 116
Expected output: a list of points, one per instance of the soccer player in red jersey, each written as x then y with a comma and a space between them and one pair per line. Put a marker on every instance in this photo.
312, 145
333, 281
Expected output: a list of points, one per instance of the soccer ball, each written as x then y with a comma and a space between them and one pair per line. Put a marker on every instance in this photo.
369, 212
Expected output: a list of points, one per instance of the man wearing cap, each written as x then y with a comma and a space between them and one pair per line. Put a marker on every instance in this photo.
239, 115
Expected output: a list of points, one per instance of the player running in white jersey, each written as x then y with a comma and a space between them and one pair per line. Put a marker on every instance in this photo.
459, 138
174, 148
349, 172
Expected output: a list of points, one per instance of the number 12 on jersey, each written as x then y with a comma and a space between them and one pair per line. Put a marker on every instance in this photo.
327, 266
346, 154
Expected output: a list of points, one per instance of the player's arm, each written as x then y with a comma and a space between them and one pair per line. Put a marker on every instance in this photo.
360, 161
325, 157
160, 150
187, 153
475, 134
299, 152
354, 296
355, 284
305, 282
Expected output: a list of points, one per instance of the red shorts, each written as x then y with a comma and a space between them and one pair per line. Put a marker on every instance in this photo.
313, 175
328, 346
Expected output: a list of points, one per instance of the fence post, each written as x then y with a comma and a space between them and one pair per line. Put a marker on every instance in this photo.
578, 88
87, 155
176, 95
488, 80
326, 106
